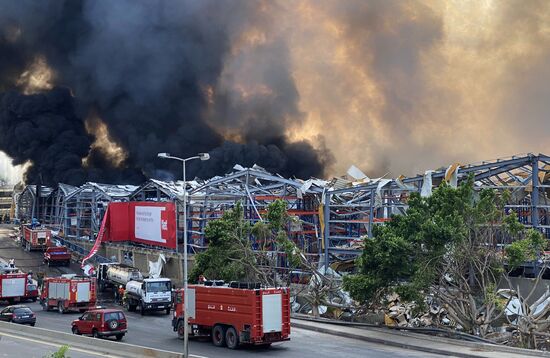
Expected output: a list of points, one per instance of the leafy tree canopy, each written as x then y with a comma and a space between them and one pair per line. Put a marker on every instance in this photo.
447, 233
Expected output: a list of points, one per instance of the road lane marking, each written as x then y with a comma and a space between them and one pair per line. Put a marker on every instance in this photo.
57, 345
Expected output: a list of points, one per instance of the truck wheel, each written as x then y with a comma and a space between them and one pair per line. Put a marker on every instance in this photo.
168, 310
142, 309
75, 331
218, 336
119, 337
231, 338
60, 307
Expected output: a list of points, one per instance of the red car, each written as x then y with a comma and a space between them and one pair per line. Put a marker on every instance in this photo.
101, 323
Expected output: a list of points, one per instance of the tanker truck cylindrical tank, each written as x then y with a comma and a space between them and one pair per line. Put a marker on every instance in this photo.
123, 275
134, 287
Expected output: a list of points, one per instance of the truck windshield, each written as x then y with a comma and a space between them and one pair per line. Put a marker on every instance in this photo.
162, 286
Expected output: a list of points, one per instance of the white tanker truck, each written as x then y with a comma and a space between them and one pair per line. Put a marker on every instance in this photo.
114, 275
150, 294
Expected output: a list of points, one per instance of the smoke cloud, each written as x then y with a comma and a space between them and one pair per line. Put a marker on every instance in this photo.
301, 88
402, 87
149, 73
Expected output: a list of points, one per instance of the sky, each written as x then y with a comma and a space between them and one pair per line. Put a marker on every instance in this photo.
388, 86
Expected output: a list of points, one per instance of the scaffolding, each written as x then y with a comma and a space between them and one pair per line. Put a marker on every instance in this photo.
256, 188
352, 211
29, 205
75, 212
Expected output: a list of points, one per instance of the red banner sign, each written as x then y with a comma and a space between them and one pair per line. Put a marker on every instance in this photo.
145, 222
100, 237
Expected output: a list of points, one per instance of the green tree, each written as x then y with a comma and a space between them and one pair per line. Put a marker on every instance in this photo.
230, 255
445, 244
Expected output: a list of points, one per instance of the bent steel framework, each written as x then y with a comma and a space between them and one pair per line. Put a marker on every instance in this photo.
352, 212
329, 219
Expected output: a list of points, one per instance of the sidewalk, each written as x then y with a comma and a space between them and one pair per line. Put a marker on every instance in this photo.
418, 342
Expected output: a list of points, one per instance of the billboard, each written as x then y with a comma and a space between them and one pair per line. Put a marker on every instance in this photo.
148, 223
154, 223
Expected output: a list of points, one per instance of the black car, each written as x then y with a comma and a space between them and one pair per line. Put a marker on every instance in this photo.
18, 314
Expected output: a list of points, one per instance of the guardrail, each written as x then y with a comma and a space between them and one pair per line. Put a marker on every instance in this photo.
98, 346
81, 250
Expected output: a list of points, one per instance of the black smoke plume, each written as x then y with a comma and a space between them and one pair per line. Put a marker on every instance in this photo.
144, 68
43, 129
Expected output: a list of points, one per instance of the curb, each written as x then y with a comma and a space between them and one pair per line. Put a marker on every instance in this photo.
382, 341
98, 346
479, 348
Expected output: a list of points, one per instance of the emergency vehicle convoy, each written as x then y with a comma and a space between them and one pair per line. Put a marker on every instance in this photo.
68, 293
35, 238
238, 313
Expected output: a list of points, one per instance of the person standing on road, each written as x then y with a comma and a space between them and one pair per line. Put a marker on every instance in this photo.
124, 298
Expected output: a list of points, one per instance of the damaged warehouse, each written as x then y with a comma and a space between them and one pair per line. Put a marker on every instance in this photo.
329, 220
332, 217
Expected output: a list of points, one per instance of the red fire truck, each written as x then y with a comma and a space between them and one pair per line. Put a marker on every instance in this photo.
69, 293
35, 238
13, 287
232, 315
57, 256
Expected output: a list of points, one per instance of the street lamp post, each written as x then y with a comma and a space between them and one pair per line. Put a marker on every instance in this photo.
201, 156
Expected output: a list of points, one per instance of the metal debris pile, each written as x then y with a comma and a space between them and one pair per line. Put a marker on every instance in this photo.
406, 314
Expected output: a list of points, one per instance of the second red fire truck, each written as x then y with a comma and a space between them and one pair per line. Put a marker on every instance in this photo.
69, 293
35, 238
234, 314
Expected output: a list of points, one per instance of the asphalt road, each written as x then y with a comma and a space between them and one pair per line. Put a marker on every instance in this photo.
155, 330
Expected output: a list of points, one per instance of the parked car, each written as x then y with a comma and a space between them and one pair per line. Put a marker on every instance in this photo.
18, 314
101, 323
